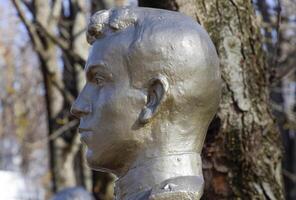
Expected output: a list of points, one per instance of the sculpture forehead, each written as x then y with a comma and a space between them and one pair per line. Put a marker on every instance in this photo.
97, 54
107, 52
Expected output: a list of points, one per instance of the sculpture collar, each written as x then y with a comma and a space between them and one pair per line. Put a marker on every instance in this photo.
175, 173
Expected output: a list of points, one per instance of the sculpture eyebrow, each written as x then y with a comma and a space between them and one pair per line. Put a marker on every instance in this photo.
99, 68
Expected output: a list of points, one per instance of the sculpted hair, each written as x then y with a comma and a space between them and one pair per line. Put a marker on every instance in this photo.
109, 21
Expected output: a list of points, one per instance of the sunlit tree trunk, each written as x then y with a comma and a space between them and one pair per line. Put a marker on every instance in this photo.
242, 152
46, 27
47, 54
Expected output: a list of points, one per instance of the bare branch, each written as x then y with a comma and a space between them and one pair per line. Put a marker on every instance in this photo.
282, 72
29, 26
56, 134
55, 11
28, 6
74, 148
278, 26
63, 129
289, 175
68, 96
63, 45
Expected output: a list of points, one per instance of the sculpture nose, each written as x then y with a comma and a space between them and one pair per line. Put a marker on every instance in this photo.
80, 109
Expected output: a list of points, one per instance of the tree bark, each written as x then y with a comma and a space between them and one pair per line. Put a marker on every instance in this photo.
242, 152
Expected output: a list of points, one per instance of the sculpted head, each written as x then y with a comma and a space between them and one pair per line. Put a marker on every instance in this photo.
153, 86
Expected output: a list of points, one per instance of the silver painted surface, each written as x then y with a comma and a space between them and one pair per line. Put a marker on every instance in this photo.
73, 193
153, 86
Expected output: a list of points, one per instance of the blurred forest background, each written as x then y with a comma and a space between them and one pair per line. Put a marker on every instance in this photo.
42, 54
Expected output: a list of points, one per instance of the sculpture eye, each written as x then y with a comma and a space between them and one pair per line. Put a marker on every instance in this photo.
99, 80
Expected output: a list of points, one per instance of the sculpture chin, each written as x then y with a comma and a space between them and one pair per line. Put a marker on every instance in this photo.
94, 164
115, 159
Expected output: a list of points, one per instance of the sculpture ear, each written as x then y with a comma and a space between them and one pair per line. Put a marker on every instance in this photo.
157, 90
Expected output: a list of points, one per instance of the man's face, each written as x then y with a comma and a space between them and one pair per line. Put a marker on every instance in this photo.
108, 107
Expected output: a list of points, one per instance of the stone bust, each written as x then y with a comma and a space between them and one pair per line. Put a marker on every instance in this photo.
153, 86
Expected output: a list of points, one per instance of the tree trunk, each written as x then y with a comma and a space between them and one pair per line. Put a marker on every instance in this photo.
60, 88
242, 151
47, 55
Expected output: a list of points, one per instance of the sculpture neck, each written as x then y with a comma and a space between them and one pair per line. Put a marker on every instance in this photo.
151, 173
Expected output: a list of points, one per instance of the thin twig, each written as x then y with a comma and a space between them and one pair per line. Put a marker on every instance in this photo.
30, 28
54, 135
63, 45
68, 96
289, 175
63, 129
55, 11
278, 26
28, 6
